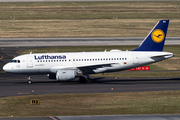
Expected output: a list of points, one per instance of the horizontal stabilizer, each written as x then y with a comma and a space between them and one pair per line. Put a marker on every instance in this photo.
162, 55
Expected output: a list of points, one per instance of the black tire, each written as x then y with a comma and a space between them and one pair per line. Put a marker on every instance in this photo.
82, 79
29, 81
88, 81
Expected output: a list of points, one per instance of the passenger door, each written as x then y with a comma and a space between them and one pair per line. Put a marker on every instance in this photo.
29, 62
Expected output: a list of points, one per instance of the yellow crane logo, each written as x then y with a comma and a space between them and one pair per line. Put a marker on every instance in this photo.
157, 35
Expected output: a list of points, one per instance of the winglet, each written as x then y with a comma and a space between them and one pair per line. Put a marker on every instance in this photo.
155, 39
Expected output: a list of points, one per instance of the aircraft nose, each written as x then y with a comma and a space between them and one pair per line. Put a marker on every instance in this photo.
6, 67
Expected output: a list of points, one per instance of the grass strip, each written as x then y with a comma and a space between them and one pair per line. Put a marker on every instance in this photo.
90, 10
165, 102
86, 19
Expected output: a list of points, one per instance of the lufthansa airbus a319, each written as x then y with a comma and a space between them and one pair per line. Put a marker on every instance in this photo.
68, 66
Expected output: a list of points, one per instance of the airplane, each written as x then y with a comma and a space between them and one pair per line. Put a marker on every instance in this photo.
68, 66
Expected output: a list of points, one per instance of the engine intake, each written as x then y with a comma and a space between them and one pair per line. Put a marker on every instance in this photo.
65, 75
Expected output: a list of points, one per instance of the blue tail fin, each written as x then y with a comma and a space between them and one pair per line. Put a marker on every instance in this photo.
155, 39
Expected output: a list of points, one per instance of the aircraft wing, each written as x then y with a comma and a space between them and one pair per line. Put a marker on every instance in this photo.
85, 66
94, 65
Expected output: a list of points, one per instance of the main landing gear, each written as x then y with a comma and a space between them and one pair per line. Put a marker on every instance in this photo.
29, 80
85, 80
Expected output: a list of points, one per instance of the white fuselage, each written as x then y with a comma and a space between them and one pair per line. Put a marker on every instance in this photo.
90, 62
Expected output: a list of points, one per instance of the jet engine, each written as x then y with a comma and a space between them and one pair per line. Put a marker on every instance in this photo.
65, 75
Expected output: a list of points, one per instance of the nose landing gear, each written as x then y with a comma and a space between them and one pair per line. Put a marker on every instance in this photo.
29, 80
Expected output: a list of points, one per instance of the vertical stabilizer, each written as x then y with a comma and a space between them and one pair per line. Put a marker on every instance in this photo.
156, 38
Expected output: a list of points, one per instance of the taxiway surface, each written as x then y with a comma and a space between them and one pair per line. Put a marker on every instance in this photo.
14, 42
15, 85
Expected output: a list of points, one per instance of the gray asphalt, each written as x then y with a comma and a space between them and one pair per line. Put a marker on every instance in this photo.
15, 85
122, 117
33, 42
104, 117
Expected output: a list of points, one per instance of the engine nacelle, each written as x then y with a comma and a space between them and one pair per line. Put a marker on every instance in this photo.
65, 75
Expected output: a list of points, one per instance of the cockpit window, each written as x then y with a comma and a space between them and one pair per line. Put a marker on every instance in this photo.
15, 61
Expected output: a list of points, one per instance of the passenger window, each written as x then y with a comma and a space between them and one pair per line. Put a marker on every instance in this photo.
122, 58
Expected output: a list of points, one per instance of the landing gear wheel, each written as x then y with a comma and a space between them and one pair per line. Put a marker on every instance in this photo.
29, 81
82, 79
85, 80
88, 81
